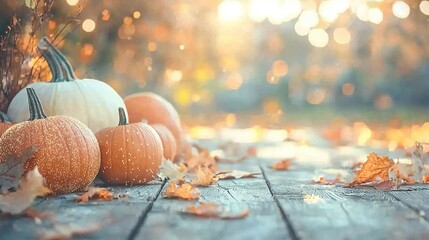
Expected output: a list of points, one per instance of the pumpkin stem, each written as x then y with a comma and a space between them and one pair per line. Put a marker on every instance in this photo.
4, 118
62, 61
36, 110
122, 117
44, 47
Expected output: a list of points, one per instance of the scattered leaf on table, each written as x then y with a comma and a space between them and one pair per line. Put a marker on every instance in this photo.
200, 158
12, 169
280, 165
325, 181
402, 173
171, 171
31, 187
95, 193
375, 169
426, 179
185, 191
68, 231
235, 174
205, 177
385, 185
215, 210
230, 160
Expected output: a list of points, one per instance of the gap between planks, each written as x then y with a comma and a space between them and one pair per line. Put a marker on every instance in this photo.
419, 212
286, 219
134, 232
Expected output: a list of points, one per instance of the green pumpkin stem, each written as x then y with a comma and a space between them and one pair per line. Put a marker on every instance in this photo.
60, 59
4, 118
45, 49
35, 107
122, 117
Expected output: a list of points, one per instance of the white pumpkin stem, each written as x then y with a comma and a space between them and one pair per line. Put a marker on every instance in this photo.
4, 118
122, 117
35, 107
62, 61
45, 48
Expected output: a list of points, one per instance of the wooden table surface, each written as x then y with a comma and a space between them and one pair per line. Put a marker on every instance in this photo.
282, 205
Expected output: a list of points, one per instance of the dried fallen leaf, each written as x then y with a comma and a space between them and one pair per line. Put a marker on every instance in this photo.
200, 158
185, 191
385, 185
228, 160
67, 231
171, 171
235, 174
375, 169
426, 179
205, 177
215, 210
12, 169
324, 181
281, 165
95, 193
31, 187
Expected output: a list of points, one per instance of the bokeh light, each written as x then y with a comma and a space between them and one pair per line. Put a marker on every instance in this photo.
401, 9
318, 37
230, 10
375, 15
424, 7
342, 36
88, 25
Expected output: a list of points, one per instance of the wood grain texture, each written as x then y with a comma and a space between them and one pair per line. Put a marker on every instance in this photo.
117, 217
333, 212
264, 221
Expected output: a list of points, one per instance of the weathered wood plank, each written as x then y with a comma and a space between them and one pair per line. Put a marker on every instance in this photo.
333, 212
118, 217
416, 198
264, 221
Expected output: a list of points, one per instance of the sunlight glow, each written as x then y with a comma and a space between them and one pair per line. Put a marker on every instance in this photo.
401, 9
230, 10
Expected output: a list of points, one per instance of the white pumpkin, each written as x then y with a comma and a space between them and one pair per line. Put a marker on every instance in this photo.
90, 101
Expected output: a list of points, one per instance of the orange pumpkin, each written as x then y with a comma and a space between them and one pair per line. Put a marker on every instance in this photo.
68, 155
154, 109
167, 139
4, 123
130, 153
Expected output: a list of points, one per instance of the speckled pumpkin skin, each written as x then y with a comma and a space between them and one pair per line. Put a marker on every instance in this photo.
130, 154
167, 139
68, 156
154, 109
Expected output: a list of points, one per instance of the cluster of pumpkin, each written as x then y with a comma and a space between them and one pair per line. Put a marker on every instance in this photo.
81, 137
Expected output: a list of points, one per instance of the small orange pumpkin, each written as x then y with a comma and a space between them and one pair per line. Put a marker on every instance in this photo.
154, 109
68, 155
167, 139
4, 123
130, 153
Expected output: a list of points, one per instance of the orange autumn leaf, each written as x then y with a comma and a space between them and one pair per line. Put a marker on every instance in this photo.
95, 193
281, 165
426, 179
375, 169
200, 157
215, 210
205, 177
185, 191
325, 181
